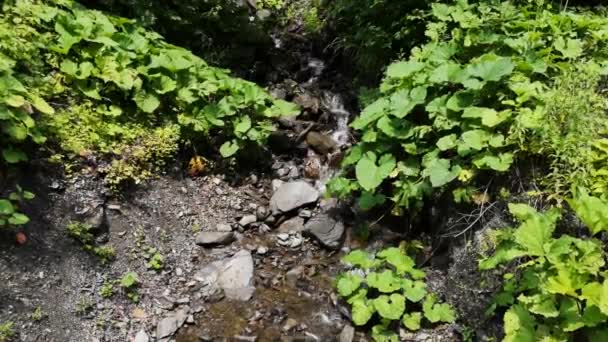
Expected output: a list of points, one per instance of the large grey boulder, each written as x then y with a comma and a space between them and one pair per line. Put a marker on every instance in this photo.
293, 195
214, 238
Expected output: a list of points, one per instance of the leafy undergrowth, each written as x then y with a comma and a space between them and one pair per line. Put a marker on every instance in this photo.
558, 289
117, 91
467, 102
387, 290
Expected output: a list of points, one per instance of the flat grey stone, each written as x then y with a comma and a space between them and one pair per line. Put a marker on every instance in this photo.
142, 336
247, 220
214, 238
347, 334
326, 229
295, 224
233, 275
293, 195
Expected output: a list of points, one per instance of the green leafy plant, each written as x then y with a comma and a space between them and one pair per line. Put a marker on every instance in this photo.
129, 283
84, 233
155, 259
457, 107
389, 287
6, 331
107, 289
9, 208
557, 289
37, 315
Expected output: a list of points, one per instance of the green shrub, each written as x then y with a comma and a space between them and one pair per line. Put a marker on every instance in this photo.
375, 32
6, 331
129, 283
449, 113
116, 89
9, 208
84, 233
389, 285
557, 290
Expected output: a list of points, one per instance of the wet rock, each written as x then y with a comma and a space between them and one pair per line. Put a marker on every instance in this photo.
293, 195
347, 334
294, 274
276, 184
321, 143
290, 324
312, 167
308, 102
223, 227
295, 224
233, 275
247, 220
141, 336
326, 229
261, 213
214, 238
166, 327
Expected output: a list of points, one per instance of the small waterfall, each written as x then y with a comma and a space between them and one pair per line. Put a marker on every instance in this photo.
334, 104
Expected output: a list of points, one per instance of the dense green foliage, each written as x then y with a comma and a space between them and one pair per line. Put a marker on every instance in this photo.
374, 42
389, 285
117, 91
462, 103
558, 290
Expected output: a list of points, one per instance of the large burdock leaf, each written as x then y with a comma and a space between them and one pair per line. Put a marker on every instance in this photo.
390, 307
403, 69
414, 290
147, 102
440, 173
591, 210
536, 230
490, 67
348, 284
570, 48
519, 325
386, 282
359, 258
403, 263
412, 320
229, 148
369, 174
436, 312
489, 117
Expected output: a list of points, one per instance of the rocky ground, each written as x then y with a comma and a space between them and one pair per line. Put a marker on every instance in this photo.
222, 256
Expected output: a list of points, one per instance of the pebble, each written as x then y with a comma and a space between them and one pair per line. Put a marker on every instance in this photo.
247, 220
290, 324
347, 334
262, 250
141, 337
223, 227
214, 238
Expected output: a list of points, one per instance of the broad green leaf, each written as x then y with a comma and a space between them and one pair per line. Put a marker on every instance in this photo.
229, 148
412, 320
459, 101
593, 211
436, 312
359, 258
476, 139
369, 200
500, 162
570, 48
18, 219
414, 290
147, 102
6, 207
348, 283
243, 124
395, 128
403, 69
489, 117
570, 315
519, 325
540, 304
385, 282
361, 311
440, 173
13, 156
380, 333
565, 282
40, 104
371, 113
369, 174
15, 130
15, 100
390, 307
536, 229
490, 67
282, 108
403, 263
448, 72
447, 142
